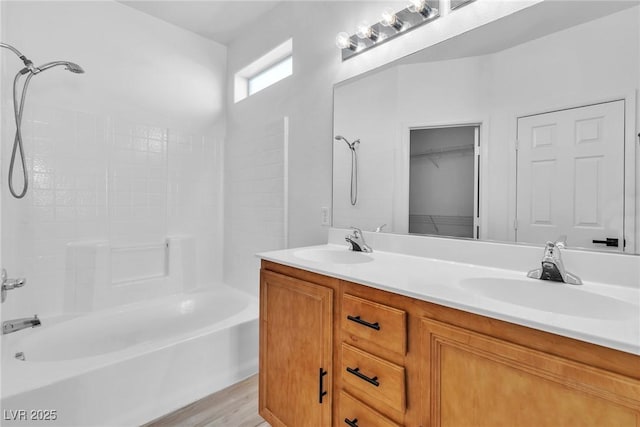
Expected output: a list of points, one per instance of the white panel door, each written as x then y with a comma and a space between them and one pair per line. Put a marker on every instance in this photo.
570, 177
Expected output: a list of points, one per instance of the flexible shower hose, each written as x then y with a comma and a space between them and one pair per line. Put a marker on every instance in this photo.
18, 108
354, 176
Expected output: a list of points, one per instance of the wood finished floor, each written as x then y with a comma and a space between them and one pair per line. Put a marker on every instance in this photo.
235, 406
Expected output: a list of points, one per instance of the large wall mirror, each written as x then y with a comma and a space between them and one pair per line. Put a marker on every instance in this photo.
522, 130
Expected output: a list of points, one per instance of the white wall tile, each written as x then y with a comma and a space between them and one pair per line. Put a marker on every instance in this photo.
254, 200
98, 149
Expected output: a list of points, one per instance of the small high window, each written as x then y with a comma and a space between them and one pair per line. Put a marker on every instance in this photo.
271, 75
265, 71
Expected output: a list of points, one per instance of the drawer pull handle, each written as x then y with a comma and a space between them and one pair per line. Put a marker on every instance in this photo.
352, 423
362, 376
321, 391
357, 319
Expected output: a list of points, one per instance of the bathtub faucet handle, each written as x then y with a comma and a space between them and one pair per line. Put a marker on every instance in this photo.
8, 284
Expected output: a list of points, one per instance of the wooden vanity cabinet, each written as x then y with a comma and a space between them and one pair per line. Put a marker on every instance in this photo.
437, 366
470, 379
296, 348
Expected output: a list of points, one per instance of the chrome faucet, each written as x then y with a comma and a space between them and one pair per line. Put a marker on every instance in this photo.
552, 265
8, 284
356, 240
16, 325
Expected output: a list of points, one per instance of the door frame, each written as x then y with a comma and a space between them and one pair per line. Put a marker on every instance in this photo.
400, 220
631, 205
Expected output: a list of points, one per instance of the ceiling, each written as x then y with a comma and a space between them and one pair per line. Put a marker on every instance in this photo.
218, 20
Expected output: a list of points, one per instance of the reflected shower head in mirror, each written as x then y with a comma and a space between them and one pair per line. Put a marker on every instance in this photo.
354, 167
351, 145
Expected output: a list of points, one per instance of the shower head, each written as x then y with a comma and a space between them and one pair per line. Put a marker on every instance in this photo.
352, 145
18, 105
74, 68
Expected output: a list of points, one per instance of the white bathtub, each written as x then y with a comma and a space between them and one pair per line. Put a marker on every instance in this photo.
128, 365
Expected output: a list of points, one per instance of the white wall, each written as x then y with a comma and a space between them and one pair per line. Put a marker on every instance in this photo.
306, 98
129, 152
565, 69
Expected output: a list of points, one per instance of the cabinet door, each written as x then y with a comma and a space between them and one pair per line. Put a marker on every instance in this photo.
471, 379
295, 351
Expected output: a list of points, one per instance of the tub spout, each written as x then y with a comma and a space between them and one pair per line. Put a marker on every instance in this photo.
16, 325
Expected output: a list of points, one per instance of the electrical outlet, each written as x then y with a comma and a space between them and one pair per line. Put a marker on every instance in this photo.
324, 216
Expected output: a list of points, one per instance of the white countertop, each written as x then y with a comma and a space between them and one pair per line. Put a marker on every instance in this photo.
439, 281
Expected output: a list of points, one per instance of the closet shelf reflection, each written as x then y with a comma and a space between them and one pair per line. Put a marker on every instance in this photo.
441, 219
444, 150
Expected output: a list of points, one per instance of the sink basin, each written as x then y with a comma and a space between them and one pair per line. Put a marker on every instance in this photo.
552, 297
333, 256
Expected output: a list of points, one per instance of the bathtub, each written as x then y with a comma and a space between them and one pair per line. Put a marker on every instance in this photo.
130, 364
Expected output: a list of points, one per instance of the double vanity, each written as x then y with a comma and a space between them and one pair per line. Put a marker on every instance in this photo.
414, 334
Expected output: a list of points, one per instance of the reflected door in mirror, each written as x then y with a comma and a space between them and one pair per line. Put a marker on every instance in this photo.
571, 175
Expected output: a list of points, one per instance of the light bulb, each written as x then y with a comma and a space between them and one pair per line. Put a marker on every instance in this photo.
343, 41
415, 5
390, 19
420, 6
365, 31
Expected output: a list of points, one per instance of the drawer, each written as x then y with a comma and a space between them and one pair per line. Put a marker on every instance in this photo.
377, 323
355, 413
377, 379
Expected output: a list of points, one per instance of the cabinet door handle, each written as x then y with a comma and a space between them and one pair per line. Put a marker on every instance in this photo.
362, 376
321, 391
352, 423
357, 319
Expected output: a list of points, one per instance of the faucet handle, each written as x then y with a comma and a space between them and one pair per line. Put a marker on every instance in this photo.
561, 242
8, 284
379, 229
356, 231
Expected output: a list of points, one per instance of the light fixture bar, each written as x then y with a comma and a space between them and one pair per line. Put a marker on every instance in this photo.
406, 20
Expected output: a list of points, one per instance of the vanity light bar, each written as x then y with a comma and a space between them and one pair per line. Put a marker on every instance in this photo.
419, 12
392, 25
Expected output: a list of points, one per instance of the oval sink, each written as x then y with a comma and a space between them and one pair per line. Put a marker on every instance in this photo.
333, 256
552, 297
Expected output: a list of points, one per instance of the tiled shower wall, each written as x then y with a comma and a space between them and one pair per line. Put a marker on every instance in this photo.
255, 199
127, 153
99, 178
